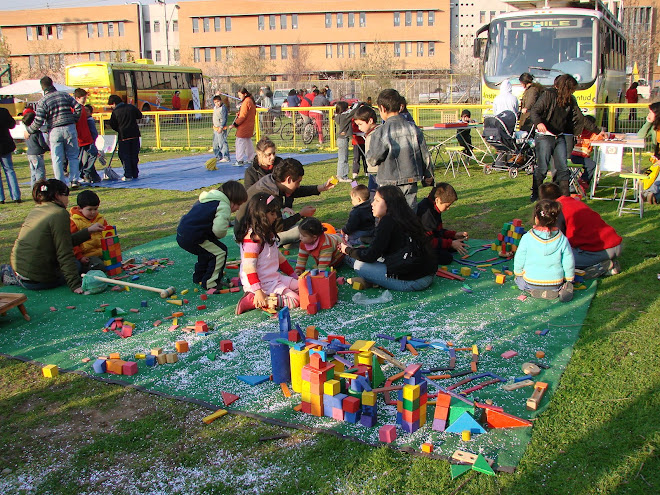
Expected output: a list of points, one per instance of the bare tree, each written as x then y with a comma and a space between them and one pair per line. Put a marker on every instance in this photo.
376, 68
643, 45
297, 67
248, 67
5, 60
48, 60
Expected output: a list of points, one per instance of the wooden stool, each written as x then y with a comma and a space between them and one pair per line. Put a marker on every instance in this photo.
10, 300
456, 159
638, 197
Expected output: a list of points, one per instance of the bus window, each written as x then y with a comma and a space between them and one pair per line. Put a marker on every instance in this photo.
120, 81
160, 80
196, 80
185, 80
143, 80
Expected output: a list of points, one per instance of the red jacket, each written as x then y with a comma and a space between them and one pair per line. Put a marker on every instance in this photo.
82, 128
585, 229
632, 95
176, 102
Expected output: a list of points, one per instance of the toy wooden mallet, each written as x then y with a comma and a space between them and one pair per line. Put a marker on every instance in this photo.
164, 293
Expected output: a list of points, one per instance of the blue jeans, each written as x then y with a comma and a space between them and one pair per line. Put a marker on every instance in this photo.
342, 158
128, 152
64, 146
548, 147
220, 145
37, 168
376, 273
585, 259
410, 192
12, 182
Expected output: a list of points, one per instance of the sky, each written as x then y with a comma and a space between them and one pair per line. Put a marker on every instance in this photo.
61, 4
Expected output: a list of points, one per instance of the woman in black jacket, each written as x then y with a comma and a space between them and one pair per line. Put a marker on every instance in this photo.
557, 116
400, 240
263, 163
7, 147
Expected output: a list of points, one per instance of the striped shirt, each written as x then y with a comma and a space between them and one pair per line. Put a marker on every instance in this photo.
326, 253
56, 109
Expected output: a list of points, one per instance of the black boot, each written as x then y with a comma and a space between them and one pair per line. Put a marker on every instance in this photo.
564, 188
535, 189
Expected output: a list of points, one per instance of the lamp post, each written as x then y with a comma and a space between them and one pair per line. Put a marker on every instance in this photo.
167, 27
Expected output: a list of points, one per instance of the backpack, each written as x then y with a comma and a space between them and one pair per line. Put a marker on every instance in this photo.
407, 259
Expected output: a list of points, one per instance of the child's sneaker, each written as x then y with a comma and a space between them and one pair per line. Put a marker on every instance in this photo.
598, 270
566, 292
544, 293
8, 275
245, 304
616, 268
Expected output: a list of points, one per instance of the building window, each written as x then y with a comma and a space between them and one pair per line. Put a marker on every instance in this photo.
492, 14
340, 50
31, 61
206, 23
122, 56
195, 22
351, 19
92, 57
340, 20
262, 52
49, 31
158, 56
156, 26
283, 21
328, 50
175, 25
216, 24
328, 20
363, 49
273, 52
120, 25
260, 23
207, 55
271, 22
229, 52
431, 18
60, 31
102, 56
408, 48
218, 54
111, 30
147, 54
397, 19
227, 23
351, 50
90, 30
420, 48
482, 17
177, 54
397, 49
28, 32
295, 51
196, 54
420, 18
147, 26
285, 52
431, 48
294, 21
408, 18
40, 32
42, 60
363, 19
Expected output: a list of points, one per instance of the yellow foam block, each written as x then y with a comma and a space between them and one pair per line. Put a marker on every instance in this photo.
211, 418
331, 387
50, 370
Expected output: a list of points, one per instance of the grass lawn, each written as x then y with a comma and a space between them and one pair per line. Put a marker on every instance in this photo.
599, 435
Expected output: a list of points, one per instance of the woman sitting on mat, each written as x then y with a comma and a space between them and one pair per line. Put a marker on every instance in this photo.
263, 163
409, 262
42, 257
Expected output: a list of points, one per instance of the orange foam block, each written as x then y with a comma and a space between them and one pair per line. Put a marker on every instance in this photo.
500, 419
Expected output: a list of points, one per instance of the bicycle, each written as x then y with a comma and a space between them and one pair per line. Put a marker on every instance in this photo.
271, 122
295, 128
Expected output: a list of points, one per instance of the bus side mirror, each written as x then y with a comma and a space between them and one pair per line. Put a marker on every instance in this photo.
476, 48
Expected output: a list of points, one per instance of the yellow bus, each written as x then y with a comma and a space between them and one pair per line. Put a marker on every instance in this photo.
547, 42
149, 87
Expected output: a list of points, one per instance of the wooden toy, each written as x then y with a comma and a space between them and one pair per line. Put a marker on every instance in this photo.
387, 433
323, 286
229, 398
181, 346
164, 293
427, 448
531, 369
212, 417
509, 354
466, 271
171, 358
161, 358
537, 395
129, 368
540, 354
226, 346
9, 301
500, 278
466, 435
114, 355
500, 419
515, 386
50, 371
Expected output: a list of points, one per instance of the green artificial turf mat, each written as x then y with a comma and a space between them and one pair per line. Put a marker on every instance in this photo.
491, 314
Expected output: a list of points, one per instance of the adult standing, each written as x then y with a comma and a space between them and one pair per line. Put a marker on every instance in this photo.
505, 100
176, 104
60, 111
632, 97
244, 125
124, 120
328, 92
263, 162
556, 113
320, 100
7, 146
530, 95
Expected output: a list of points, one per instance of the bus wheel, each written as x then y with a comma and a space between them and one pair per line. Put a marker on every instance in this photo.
146, 119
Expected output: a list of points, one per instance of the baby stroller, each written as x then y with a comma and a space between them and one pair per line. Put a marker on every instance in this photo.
515, 149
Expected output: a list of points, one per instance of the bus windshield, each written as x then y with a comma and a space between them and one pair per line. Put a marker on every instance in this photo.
545, 46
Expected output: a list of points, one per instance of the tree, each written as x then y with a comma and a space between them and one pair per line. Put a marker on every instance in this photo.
48, 60
5, 60
643, 45
248, 67
376, 68
297, 67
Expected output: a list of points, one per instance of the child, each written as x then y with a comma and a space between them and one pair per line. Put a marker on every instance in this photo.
359, 155
220, 113
261, 261
200, 230
399, 150
581, 155
344, 132
429, 211
365, 118
90, 155
361, 221
36, 147
544, 263
324, 248
83, 216
464, 136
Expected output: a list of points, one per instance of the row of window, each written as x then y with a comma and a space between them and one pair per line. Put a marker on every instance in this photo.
272, 21
99, 28
153, 80
41, 61
206, 24
109, 57
350, 19
408, 18
173, 26
341, 49
44, 32
158, 55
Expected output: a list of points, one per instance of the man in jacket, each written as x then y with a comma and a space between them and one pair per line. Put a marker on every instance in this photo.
124, 120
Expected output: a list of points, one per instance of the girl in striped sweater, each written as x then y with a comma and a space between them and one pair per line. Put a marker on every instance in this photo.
322, 247
261, 261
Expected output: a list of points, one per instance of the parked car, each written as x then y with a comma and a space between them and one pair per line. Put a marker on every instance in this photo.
458, 95
279, 96
350, 99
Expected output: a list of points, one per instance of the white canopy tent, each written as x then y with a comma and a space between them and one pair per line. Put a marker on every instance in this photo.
29, 87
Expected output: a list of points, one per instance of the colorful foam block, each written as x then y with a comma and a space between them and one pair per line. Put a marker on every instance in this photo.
129, 368
50, 371
387, 433
226, 346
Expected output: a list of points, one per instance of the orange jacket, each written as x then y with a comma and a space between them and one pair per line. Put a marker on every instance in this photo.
245, 119
79, 222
